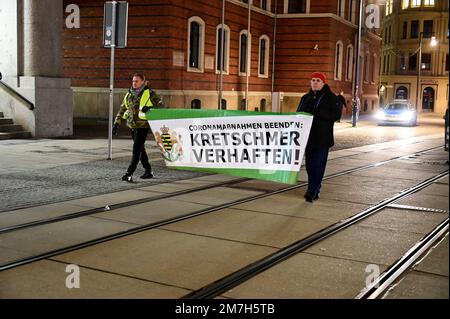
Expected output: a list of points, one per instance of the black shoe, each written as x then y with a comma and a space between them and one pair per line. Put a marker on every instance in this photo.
308, 197
127, 178
147, 175
308, 193
316, 197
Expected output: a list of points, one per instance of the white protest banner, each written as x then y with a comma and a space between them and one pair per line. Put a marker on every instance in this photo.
258, 145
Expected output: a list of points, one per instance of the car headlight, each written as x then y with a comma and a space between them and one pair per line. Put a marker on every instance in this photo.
406, 115
380, 115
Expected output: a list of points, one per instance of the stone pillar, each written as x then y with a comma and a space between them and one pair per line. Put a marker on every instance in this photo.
40, 69
43, 38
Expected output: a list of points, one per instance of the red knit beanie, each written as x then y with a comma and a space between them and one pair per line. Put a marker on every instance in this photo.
319, 75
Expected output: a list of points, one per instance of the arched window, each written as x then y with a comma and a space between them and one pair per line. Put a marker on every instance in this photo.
196, 104
401, 93
263, 65
223, 104
242, 105
262, 106
338, 61
196, 44
244, 52
349, 70
226, 48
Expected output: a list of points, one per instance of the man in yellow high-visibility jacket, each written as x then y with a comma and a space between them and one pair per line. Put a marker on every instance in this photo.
137, 100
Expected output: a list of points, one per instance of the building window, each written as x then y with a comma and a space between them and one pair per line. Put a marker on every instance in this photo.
341, 8
196, 43
242, 105
389, 6
262, 105
226, 49
352, 11
196, 104
223, 104
265, 5
244, 57
349, 71
401, 93
405, 30
415, 29
338, 61
405, 4
263, 69
446, 63
373, 68
415, 3
296, 6
366, 105
402, 65
426, 61
429, 3
427, 28
412, 63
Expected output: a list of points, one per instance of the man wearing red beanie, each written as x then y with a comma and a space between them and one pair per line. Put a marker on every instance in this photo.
321, 102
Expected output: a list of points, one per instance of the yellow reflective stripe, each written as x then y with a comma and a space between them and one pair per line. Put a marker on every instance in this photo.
125, 99
145, 99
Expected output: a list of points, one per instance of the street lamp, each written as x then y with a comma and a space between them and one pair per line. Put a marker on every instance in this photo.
433, 43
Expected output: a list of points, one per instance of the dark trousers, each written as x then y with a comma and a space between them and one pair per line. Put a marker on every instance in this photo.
316, 161
139, 135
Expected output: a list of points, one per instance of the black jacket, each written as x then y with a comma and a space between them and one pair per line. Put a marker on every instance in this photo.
323, 105
341, 101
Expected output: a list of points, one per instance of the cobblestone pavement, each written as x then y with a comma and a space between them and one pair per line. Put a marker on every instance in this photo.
85, 173
56, 184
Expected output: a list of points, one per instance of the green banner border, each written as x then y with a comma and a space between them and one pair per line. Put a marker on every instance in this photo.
174, 114
285, 177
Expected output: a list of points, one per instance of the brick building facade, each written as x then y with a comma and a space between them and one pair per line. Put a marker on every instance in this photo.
176, 45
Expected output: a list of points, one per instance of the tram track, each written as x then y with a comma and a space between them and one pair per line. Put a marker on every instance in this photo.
381, 284
92, 211
244, 274
178, 218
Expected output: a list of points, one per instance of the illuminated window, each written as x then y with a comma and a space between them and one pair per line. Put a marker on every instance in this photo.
389, 6
415, 3
405, 4
426, 61
429, 3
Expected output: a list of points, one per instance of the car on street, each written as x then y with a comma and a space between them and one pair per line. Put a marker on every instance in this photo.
397, 112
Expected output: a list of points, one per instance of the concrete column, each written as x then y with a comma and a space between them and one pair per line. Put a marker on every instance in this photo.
31, 59
42, 38
9, 39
